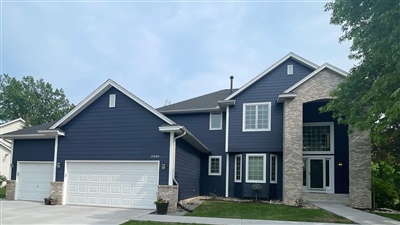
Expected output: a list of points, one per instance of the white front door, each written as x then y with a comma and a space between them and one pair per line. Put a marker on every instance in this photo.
318, 174
116, 184
33, 180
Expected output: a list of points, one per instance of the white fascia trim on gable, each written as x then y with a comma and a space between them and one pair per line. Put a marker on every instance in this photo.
262, 74
315, 72
281, 98
190, 138
7, 148
55, 132
97, 93
12, 121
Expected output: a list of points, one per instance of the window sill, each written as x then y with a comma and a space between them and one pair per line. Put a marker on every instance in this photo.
255, 181
255, 130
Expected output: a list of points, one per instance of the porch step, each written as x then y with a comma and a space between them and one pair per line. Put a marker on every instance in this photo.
326, 197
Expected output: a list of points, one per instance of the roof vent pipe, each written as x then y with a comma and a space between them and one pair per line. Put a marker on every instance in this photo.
230, 92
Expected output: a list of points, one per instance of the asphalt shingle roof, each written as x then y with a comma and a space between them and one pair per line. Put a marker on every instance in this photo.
207, 101
33, 129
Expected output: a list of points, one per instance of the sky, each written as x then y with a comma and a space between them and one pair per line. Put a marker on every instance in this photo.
161, 51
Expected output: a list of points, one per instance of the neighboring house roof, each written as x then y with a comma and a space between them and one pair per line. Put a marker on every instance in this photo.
208, 102
11, 122
5, 145
275, 65
97, 93
30, 132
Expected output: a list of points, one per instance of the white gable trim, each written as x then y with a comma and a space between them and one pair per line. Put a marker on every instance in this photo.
97, 93
13, 121
265, 72
7, 148
315, 72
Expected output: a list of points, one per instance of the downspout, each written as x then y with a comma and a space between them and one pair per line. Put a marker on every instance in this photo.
174, 157
55, 157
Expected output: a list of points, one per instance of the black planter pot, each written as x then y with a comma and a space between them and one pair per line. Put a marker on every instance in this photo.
162, 208
47, 201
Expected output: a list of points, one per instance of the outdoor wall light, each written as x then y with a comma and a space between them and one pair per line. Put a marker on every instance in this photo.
163, 166
12, 165
340, 164
58, 165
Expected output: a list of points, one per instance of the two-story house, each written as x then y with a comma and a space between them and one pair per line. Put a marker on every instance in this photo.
113, 149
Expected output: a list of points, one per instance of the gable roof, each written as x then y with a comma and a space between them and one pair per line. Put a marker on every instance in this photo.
97, 93
207, 102
315, 72
12, 121
291, 55
31, 132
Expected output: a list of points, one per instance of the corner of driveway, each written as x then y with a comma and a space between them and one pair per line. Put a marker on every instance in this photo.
25, 212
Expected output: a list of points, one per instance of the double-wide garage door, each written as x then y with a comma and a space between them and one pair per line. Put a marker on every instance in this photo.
115, 184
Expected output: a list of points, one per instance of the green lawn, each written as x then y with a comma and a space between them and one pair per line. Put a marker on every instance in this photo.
390, 215
2, 192
134, 222
262, 211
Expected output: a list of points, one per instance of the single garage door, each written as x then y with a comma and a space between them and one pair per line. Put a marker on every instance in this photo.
115, 184
33, 180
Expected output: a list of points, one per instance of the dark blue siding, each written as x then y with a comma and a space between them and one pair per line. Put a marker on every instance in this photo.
311, 114
198, 124
126, 132
266, 89
32, 150
187, 170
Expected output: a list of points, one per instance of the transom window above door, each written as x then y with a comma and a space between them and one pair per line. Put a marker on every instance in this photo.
318, 138
257, 116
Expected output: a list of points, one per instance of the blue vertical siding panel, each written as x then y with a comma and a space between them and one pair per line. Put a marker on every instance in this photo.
311, 114
266, 89
126, 132
187, 170
198, 124
32, 150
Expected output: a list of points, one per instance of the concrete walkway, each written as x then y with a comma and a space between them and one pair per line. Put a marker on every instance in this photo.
355, 215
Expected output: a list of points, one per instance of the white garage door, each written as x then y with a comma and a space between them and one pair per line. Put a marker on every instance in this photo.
115, 184
33, 180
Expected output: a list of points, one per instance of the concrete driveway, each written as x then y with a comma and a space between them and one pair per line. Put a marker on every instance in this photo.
25, 212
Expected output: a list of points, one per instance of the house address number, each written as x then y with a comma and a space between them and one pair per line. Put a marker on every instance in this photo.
155, 156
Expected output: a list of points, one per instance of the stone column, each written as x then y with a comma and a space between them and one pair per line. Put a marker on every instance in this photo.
57, 190
292, 152
10, 190
360, 169
170, 193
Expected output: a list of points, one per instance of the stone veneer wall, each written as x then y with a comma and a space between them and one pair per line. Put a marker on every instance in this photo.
10, 190
360, 169
170, 193
318, 87
57, 190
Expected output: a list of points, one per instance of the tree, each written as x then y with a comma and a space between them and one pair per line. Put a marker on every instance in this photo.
35, 101
369, 99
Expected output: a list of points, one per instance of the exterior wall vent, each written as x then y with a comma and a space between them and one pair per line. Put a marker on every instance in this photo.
289, 69
113, 99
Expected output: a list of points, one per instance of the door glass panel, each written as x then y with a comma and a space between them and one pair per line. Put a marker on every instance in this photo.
317, 173
327, 173
304, 172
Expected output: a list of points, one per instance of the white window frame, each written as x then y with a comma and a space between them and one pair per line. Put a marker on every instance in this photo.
270, 168
264, 168
237, 158
112, 100
244, 116
220, 124
290, 69
209, 165
332, 138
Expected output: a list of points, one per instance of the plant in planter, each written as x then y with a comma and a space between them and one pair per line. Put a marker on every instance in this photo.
162, 206
50, 200
256, 188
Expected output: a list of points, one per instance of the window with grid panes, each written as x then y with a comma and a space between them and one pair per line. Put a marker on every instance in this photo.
256, 116
255, 168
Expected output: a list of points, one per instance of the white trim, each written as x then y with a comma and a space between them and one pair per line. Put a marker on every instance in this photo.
332, 138
11, 160
227, 176
270, 168
264, 168
94, 161
315, 72
190, 138
265, 72
289, 69
100, 91
331, 187
171, 157
244, 116
112, 100
227, 130
209, 165
55, 158
281, 98
238, 156
13, 121
16, 195
220, 121
28, 136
